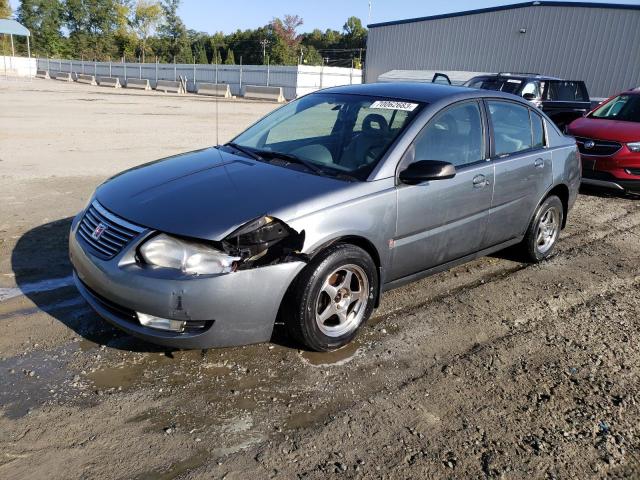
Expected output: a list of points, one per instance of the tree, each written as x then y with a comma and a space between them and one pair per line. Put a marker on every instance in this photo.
285, 40
146, 17
217, 57
231, 59
355, 34
44, 19
92, 26
5, 9
174, 33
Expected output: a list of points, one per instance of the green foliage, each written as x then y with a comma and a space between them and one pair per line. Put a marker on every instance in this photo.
44, 19
230, 59
146, 17
5, 9
103, 29
174, 33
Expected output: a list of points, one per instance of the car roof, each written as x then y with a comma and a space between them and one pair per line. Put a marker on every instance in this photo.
411, 91
518, 76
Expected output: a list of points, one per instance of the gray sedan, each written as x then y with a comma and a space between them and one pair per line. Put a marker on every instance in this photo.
317, 209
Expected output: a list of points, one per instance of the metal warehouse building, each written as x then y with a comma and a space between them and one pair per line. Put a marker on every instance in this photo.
595, 42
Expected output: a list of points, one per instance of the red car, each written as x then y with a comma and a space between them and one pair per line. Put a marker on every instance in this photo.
608, 138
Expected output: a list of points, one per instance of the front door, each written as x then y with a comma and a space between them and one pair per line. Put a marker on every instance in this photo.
442, 220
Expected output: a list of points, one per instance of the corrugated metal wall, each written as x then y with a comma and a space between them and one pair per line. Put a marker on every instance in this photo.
598, 45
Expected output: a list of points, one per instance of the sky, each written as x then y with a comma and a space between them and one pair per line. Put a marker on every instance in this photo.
225, 16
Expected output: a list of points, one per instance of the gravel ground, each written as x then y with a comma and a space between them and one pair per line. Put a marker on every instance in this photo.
495, 369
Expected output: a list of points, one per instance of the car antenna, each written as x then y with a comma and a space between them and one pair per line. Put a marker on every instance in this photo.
215, 54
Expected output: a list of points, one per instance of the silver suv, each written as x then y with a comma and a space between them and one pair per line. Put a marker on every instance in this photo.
318, 208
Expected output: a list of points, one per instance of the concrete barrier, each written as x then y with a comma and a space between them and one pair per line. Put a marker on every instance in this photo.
43, 74
139, 83
88, 79
113, 82
64, 76
214, 89
262, 92
169, 86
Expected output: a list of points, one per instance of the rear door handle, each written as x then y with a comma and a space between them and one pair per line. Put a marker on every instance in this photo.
539, 163
480, 181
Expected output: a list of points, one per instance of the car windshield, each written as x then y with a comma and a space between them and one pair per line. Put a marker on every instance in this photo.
622, 107
330, 134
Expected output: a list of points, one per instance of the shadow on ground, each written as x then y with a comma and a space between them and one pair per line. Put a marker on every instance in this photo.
42, 254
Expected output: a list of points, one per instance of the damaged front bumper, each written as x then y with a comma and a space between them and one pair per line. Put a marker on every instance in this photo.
229, 309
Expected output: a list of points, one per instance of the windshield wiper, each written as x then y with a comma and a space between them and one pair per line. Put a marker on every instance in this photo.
245, 150
293, 159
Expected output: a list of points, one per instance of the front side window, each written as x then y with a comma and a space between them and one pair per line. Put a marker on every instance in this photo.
454, 135
333, 134
511, 127
624, 107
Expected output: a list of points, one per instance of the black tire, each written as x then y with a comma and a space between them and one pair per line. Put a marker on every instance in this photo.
531, 245
308, 296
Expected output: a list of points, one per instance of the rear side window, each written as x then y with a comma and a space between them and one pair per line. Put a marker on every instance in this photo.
537, 130
511, 127
454, 135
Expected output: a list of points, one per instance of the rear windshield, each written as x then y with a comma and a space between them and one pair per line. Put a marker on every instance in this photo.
508, 85
622, 107
565, 91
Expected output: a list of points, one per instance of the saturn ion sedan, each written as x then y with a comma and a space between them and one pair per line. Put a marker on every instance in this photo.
313, 212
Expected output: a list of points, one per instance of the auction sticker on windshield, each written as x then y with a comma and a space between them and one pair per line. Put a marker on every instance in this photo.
391, 105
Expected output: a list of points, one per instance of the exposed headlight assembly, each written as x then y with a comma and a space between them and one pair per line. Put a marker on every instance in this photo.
263, 241
634, 146
189, 257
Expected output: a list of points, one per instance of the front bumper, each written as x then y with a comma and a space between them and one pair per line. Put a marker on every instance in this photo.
239, 308
619, 172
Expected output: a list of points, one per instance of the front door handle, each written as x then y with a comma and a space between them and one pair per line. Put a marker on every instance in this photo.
539, 163
480, 181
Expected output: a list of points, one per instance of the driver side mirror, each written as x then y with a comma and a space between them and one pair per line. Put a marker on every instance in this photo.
426, 170
529, 96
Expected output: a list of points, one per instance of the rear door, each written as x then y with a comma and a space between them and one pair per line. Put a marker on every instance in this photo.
442, 220
523, 168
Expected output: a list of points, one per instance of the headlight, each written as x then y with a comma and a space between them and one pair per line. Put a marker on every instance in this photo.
634, 146
188, 257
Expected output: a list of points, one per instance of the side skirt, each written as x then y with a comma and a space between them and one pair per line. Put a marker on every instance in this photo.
446, 266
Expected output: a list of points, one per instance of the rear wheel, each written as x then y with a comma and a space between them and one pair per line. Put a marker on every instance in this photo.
543, 232
332, 298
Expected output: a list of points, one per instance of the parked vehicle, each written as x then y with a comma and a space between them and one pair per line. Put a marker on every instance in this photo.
609, 143
562, 100
317, 209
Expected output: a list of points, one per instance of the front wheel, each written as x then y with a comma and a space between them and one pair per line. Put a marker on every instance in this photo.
333, 296
543, 232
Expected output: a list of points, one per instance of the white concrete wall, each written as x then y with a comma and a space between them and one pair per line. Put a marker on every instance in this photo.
17, 67
294, 80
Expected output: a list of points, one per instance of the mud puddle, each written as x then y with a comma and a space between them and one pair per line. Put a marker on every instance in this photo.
336, 358
32, 380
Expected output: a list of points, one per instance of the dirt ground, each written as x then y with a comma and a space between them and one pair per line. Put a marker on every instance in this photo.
495, 369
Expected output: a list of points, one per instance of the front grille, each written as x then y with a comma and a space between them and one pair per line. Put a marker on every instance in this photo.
105, 233
602, 148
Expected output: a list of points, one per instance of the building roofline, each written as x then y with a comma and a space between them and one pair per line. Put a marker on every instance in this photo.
617, 6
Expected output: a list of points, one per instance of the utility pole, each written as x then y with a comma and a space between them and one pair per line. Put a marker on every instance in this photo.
264, 42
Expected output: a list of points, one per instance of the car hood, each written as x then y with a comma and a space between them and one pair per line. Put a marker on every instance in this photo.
602, 129
209, 193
